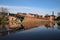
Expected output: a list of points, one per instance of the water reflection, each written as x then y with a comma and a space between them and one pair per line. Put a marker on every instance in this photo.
9, 28
50, 25
58, 25
29, 26
12, 27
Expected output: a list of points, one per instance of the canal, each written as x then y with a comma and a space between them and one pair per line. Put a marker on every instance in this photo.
14, 31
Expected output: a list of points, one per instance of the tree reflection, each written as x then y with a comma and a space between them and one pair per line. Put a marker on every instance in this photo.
58, 25
3, 28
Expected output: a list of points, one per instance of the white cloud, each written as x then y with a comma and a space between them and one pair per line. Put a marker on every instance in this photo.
14, 9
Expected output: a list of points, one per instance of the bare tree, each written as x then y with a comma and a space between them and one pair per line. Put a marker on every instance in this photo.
3, 13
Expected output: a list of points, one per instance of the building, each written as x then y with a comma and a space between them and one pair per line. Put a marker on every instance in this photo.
30, 15
40, 16
34, 15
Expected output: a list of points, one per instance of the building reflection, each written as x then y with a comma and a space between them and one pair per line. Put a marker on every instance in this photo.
29, 26
13, 25
50, 25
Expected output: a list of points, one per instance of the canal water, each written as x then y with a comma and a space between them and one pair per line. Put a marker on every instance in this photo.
14, 31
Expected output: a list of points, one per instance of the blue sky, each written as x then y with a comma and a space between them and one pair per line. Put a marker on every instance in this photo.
33, 6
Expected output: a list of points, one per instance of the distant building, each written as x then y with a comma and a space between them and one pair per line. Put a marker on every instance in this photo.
40, 17
30, 15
